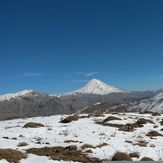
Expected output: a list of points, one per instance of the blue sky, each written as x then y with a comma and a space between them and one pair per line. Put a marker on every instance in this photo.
57, 46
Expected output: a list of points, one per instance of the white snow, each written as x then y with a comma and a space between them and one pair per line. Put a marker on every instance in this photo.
41, 159
38, 159
85, 131
98, 103
15, 95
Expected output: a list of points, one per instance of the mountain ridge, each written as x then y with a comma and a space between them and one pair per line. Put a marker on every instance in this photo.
26, 92
95, 96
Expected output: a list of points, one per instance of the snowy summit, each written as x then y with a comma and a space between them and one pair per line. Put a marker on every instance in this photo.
97, 87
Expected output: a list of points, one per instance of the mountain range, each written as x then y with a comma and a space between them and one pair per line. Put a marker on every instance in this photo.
94, 96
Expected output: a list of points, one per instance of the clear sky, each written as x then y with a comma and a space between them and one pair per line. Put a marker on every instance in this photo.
58, 45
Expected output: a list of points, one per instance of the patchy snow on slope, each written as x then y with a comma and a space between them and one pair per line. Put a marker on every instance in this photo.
83, 131
98, 103
154, 104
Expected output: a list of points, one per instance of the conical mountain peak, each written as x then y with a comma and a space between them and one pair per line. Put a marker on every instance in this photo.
96, 86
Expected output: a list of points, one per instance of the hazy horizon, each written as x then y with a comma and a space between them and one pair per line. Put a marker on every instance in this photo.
82, 85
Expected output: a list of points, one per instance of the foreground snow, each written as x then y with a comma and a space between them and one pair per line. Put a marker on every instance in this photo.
83, 131
38, 159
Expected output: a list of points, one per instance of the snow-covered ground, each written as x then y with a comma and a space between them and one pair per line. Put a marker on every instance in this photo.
83, 131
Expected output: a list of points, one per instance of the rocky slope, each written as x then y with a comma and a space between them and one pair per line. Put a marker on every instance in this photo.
150, 101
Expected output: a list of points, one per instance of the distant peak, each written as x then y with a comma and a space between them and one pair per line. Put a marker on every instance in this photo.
95, 81
17, 94
96, 86
26, 91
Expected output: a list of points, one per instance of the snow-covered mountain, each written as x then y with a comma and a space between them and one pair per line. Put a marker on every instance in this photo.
96, 87
17, 95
